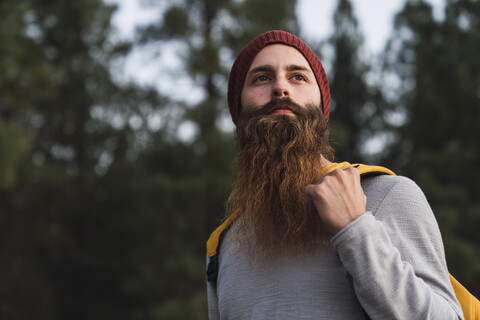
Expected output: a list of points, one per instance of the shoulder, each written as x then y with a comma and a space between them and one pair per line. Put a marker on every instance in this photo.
392, 186
383, 186
396, 195
389, 182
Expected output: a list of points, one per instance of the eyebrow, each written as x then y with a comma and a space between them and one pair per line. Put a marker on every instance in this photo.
295, 67
269, 68
265, 68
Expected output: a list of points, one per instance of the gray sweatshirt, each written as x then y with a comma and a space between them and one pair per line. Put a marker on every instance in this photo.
387, 264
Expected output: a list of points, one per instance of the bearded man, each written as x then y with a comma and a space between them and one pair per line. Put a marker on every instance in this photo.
306, 238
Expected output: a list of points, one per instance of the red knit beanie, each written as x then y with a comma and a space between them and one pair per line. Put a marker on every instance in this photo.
244, 60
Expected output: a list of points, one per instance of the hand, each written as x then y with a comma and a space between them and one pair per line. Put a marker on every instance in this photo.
338, 198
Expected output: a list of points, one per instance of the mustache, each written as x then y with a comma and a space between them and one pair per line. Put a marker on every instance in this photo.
269, 107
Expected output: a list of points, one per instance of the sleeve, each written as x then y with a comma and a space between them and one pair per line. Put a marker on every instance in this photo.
396, 259
213, 313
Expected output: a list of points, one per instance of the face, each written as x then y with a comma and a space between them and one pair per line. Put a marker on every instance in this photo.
280, 71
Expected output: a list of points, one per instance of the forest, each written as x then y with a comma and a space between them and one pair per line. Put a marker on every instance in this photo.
105, 207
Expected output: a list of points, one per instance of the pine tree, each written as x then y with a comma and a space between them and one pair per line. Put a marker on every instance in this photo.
66, 193
193, 177
352, 99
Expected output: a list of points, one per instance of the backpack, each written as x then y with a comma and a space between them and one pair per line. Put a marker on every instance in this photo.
470, 305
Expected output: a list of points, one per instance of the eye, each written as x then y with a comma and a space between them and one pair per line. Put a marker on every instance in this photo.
261, 78
299, 77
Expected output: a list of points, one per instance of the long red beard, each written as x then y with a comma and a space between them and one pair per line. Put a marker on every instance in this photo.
279, 156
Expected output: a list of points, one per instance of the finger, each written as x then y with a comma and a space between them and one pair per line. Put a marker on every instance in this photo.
314, 191
310, 189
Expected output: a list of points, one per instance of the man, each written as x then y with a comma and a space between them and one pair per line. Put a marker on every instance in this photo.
306, 238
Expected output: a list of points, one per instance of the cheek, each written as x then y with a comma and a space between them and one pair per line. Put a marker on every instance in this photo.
254, 96
312, 95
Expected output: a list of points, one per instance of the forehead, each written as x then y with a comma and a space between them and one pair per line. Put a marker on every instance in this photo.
279, 54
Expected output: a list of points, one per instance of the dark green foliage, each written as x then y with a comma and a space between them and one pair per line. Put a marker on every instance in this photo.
255, 17
353, 104
68, 193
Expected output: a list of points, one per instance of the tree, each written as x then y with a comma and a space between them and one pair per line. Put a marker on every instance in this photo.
437, 66
353, 107
66, 139
192, 177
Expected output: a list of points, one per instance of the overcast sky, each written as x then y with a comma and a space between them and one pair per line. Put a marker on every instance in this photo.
315, 17
375, 18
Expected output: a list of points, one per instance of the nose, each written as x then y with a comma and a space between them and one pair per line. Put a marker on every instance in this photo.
280, 89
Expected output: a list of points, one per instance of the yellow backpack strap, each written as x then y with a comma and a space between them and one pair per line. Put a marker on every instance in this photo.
213, 244
214, 240
470, 305
364, 170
